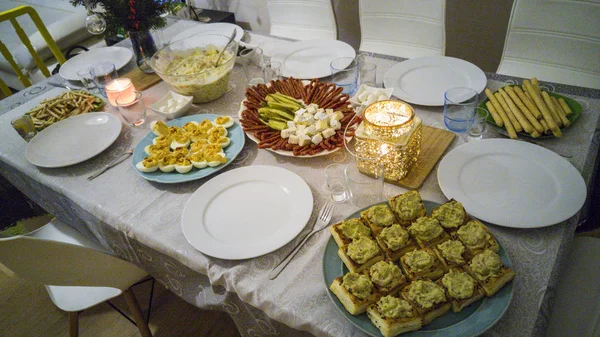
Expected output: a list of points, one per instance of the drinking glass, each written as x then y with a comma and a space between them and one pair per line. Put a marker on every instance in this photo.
459, 108
24, 127
272, 71
103, 73
132, 108
368, 74
365, 190
86, 78
252, 61
336, 182
344, 73
479, 125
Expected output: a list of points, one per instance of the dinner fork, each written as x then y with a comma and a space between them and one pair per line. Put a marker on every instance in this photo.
114, 162
321, 223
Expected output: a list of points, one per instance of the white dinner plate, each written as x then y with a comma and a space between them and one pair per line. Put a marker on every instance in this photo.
247, 212
310, 59
222, 28
118, 56
512, 183
424, 80
73, 140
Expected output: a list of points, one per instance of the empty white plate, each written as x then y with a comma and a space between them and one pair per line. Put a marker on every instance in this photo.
118, 56
512, 183
247, 212
221, 28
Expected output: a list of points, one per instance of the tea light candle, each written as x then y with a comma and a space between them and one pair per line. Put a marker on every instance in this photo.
117, 87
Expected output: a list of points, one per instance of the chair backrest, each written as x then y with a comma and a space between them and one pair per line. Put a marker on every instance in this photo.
11, 15
556, 41
65, 264
404, 28
302, 19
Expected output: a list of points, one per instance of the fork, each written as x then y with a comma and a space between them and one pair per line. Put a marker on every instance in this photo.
321, 223
114, 162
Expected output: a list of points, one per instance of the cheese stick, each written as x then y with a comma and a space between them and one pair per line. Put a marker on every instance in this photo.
560, 111
507, 125
565, 106
520, 114
552, 109
494, 101
527, 101
497, 119
509, 112
539, 102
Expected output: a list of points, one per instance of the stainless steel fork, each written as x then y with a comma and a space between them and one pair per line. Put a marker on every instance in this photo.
321, 223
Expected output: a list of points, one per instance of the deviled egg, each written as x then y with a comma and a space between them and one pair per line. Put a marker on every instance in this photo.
159, 128
183, 165
190, 126
180, 140
224, 121
149, 164
215, 159
162, 141
198, 160
167, 163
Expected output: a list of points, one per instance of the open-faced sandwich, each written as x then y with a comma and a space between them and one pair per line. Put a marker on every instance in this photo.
387, 277
393, 315
428, 232
451, 253
451, 215
422, 263
360, 254
461, 288
489, 270
395, 241
355, 291
476, 237
408, 207
428, 298
344, 232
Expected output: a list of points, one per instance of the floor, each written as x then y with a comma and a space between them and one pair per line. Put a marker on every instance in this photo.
26, 310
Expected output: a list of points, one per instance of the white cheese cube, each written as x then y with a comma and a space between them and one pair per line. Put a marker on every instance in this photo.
328, 132
311, 130
339, 115
300, 129
321, 125
304, 140
311, 108
286, 133
307, 118
329, 111
291, 125
317, 138
300, 111
321, 115
293, 139
334, 122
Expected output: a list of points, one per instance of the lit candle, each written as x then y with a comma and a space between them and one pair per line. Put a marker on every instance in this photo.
117, 87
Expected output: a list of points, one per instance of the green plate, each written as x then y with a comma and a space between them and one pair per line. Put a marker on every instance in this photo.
573, 104
471, 321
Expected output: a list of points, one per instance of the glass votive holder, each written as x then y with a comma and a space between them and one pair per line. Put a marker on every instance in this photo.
117, 87
24, 127
131, 107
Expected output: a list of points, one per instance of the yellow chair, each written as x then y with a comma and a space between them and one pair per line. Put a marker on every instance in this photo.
11, 15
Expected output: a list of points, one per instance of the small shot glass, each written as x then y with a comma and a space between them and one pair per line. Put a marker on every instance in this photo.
24, 127
86, 78
131, 107
479, 125
336, 182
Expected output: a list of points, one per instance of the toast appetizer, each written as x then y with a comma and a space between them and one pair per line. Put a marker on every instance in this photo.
360, 254
428, 298
461, 288
428, 232
387, 277
394, 316
379, 217
476, 237
355, 291
395, 241
451, 215
451, 253
422, 263
344, 232
489, 270
408, 207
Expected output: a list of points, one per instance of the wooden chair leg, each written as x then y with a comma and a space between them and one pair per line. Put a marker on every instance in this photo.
74, 324
136, 311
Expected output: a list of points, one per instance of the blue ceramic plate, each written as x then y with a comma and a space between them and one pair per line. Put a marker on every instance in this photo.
471, 321
235, 134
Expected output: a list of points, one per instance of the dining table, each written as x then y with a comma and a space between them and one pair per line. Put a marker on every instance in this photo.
140, 220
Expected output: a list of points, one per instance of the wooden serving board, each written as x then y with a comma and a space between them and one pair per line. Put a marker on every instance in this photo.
434, 143
141, 80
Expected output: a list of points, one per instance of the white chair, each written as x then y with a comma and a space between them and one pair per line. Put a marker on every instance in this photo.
576, 310
302, 19
404, 28
556, 41
77, 272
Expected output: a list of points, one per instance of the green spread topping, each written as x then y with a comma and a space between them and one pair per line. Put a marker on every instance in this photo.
358, 285
408, 206
426, 293
354, 228
460, 285
381, 215
486, 264
452, 250
394, 237
426, 228
419, 260
385, 273
450, 215
473, 234
362, 249
394, 307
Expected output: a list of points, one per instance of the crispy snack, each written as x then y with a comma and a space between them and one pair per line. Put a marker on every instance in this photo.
326, 95
497, 107
519, 114
539, 102
393, 326
67, 104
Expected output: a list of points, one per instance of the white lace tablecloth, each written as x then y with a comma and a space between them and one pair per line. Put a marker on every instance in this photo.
140, 221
